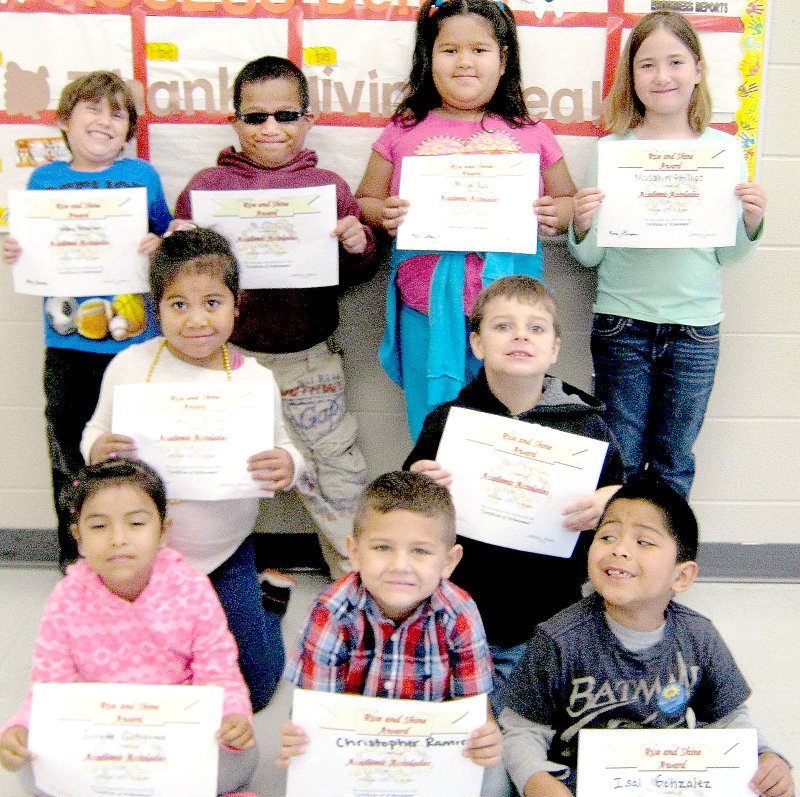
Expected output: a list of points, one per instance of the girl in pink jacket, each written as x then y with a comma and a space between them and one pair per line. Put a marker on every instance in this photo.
133, 611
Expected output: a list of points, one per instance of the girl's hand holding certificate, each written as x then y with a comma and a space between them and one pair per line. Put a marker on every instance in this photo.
754, 205
236, 732
584, 207
274, 468
546, 209
392, 213
110, 445
14, 752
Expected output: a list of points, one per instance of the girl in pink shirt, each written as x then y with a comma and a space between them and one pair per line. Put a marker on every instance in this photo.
463, 96
133, 611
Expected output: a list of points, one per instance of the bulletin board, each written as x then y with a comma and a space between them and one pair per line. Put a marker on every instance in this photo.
181, 57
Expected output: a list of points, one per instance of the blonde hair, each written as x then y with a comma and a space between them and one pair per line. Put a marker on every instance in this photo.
623, 109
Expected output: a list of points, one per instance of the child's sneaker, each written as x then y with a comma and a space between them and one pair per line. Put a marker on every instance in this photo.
276, 588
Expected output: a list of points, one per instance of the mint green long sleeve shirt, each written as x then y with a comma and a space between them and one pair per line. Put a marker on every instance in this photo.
663, 286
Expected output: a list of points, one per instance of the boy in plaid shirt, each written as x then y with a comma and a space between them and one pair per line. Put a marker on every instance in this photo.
395, 627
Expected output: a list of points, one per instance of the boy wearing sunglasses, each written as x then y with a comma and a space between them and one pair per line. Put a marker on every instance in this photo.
290, 330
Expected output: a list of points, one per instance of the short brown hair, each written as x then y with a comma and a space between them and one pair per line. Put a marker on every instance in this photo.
412, 492
96, 86
623, 109
522, 288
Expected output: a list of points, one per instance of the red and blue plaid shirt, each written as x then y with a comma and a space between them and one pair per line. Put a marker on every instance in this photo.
349, 646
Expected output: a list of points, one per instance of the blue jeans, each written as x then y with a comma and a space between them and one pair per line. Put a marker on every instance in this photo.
504, 661
496, 782
655, 380
257, 631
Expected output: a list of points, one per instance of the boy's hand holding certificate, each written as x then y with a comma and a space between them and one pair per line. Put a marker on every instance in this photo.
372, 747
79, 243
511, 479
668, 194
470, 203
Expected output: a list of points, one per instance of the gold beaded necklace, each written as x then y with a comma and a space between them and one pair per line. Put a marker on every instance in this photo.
226, 361
226, 364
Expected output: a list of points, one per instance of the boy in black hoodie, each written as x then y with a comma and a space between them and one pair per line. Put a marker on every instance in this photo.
516, 332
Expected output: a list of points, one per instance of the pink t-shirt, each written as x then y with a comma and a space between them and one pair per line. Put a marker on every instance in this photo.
437, 135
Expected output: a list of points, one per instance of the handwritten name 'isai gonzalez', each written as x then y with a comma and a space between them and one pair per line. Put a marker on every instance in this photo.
670, 783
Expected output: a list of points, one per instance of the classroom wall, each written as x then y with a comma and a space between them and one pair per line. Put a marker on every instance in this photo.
747, 465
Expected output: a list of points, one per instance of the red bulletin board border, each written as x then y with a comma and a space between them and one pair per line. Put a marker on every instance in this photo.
614, 22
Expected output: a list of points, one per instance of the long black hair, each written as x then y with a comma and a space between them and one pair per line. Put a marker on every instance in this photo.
421, 97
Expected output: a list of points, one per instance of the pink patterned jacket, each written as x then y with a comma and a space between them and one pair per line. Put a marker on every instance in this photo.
175, 632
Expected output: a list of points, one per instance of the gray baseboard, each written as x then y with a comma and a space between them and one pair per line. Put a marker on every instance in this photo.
719, 561
728, 561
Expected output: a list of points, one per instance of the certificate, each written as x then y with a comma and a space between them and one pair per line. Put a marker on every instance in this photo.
123, 740
470, 203
373, 747
282, 238
666, 763
198, 435
668, 194
79, 243
511, 479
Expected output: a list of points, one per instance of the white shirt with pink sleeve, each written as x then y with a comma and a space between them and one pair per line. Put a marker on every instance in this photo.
175, 632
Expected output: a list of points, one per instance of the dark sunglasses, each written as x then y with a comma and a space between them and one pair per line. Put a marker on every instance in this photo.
281, 117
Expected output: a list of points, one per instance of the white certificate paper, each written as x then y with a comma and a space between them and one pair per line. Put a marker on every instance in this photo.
198, 435
511, 479
79, 243
282, 238
470, 203
123, 740
666, 763
373, 747
668, 194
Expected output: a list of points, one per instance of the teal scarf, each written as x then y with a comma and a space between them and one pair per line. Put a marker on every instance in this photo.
447, 347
